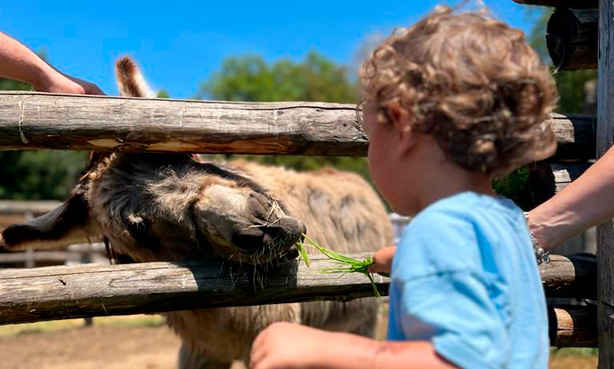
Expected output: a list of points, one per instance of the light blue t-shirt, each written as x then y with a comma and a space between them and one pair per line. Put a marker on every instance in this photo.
464, 277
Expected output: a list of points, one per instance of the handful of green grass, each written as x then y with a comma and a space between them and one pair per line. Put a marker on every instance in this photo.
346, 264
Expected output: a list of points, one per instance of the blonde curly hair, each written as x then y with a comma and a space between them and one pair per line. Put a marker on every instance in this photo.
472, 83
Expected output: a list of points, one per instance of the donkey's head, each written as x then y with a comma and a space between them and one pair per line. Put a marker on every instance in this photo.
179, 207
235, 217
165, 207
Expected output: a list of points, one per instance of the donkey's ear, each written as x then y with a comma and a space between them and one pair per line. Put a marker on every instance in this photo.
67, 224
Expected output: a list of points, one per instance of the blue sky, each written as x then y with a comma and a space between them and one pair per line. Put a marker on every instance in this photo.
179, 44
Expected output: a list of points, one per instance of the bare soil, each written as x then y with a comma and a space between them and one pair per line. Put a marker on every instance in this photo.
93, 347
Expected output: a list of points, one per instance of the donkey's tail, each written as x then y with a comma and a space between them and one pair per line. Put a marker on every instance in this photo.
130, 80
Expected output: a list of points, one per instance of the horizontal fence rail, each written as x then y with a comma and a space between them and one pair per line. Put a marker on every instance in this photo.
14, 207
570, 276
572, 326
21, 257
572, 38
28, 295
62, 292
579, 4
548, 179
99, 123
33, 121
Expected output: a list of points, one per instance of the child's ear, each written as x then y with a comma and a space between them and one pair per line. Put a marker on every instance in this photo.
400, 118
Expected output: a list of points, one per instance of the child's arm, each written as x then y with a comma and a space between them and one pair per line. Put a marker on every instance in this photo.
382, 260
19, 63
286, 345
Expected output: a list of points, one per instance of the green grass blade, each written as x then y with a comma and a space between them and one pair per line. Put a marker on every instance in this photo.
375, 291
303, 253
347, 264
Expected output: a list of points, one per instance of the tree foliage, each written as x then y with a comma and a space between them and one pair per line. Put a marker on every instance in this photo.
250, 78
162, 94
515, 187
35, 175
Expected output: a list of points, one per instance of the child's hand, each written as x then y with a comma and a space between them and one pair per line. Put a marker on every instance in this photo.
382, 260
287, 345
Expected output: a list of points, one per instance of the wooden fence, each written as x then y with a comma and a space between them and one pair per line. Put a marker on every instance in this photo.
49, 293
19, 211
51, 121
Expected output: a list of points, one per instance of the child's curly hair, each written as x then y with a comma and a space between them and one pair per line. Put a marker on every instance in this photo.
473, 83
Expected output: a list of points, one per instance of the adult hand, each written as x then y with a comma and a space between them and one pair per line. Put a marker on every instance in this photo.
61, 83
382, 261
286, 345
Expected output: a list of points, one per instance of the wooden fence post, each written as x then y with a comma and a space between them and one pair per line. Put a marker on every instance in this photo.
605, 232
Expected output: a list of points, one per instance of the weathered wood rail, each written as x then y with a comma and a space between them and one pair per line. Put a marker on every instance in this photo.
10, 207
572, 32
28, 295
47, 121
577, 4
25, 257
572, 38
575, 136
573, 276
32, 121
572, 326
548, 179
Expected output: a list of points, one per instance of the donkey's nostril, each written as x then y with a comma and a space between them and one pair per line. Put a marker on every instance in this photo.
292, 226
292, 253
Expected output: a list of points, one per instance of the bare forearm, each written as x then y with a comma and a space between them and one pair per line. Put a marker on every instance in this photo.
355, 352
586, 202
20, 63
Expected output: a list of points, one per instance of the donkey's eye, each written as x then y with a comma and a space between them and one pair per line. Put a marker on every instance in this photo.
258, 205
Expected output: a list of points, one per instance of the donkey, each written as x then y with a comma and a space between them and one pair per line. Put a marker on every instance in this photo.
173, 207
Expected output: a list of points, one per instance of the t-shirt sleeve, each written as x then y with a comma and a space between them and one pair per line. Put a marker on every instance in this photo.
454, 312
442, 295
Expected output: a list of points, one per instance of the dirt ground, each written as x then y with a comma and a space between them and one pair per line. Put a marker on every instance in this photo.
123, 345
91, 348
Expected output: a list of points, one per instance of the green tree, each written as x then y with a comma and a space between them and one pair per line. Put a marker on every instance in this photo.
35, 175
162, 94
251, 78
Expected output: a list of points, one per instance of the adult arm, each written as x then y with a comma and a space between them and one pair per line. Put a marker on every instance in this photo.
586, 202
19, 63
